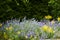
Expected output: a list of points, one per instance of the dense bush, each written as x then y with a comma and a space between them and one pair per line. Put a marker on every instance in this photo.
22, 8
54, 8
29, 8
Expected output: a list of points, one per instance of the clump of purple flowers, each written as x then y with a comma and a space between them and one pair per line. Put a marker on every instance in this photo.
30, 29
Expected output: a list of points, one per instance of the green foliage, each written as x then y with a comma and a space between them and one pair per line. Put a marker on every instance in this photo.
21, 8
54, 8
29, 8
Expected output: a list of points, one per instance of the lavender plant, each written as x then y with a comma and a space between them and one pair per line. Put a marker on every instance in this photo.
30, 30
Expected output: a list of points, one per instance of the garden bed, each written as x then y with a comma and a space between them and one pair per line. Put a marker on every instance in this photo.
30, 30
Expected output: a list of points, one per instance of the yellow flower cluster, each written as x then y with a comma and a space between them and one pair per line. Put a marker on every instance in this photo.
18, 32
9, 28
48, 17
26, 36
0, 25
51, 30
52, 22
47, 29
5, 35
58, 18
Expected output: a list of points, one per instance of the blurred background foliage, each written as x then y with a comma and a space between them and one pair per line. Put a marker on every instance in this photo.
29, 8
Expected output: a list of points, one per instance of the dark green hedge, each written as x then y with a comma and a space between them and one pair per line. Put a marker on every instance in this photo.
29, 8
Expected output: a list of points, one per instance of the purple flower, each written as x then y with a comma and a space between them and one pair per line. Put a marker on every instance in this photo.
50, 24
58, 24
41, 23
28, 35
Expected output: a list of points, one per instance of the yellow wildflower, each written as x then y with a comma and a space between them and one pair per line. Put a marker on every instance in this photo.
52, 21
10, 28
48, 17
58, 18
18, 32
0, 25
45, 28
7, 28
50, 30
26, 36
5, 35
